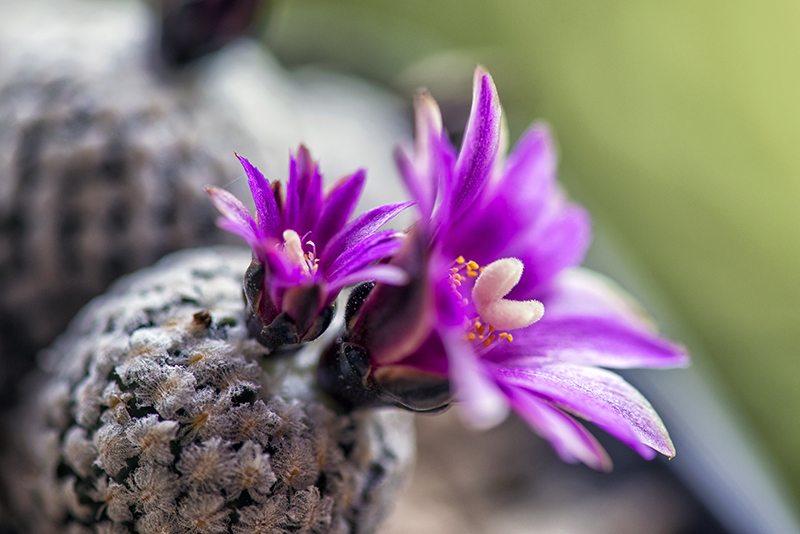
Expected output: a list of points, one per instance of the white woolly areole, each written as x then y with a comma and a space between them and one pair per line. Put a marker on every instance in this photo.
494, 283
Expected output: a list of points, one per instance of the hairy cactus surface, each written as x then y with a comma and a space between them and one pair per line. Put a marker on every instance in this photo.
103, 163
160, 415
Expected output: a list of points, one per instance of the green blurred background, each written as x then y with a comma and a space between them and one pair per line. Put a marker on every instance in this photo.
677, 124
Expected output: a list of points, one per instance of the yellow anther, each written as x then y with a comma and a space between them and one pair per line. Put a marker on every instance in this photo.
478, 324
488, 341
510, 338
472, 265
460, 260
472, 274
454, 269
481, 330
503, 335
471, 337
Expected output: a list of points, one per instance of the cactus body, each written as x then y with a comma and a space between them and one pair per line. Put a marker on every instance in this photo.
161, 415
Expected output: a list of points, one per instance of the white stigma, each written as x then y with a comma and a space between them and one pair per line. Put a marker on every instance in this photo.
494, 283
294, 249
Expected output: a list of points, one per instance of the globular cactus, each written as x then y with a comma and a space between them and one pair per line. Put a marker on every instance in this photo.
103, 163
161, 415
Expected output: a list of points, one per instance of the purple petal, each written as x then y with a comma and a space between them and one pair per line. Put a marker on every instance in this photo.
559, 241
303, 193
480, 144
374, 248
280, 271
416, 183
382, 274
599, 396
269, 216
339, 206
482, 403
419, 171
484, 236
579, 292
358, 231
589, 341
570, 439
529, 173
236, 219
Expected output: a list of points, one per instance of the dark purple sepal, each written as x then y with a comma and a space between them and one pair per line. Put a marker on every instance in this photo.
345, 373
395, 320
302, 319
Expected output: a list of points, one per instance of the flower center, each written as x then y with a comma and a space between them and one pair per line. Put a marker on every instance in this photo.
496, 314
293, 248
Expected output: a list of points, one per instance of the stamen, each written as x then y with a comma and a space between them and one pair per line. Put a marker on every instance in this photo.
293, 248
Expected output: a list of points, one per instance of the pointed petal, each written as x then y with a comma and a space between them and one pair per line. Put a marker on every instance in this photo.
482, 403
374, 248
580, 292
570, 439
235, 217
339, 206
589, 341
599, 396
419, 170
303, 192
269, 217
479, 147
358, 231
381, 274
530, 170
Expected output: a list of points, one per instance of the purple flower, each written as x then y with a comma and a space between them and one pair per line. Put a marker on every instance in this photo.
304, 250
496, 312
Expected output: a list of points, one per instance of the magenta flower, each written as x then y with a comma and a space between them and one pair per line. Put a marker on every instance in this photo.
496, 313
304, 250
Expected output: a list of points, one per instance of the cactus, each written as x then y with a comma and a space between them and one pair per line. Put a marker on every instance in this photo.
161, 415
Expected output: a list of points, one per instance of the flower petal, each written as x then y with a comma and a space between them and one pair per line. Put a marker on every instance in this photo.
479, 147
376, 247
357, 231
599, 396
584, 293
558, 241
588, 341
339, 205
529, 171
303, 193
269, 216
482, 404
382, 274
235, 217
419, 170
570, 439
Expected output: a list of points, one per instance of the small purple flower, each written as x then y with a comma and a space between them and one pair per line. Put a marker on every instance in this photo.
496, 313
304, 249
